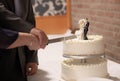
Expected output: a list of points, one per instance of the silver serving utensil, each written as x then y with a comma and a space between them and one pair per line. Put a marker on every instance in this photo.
54, 40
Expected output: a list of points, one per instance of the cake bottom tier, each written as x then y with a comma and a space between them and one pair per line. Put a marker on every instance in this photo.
74, 70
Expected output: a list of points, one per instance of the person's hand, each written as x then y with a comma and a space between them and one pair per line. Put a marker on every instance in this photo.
34, 43
31, 68
26, 39
43, 39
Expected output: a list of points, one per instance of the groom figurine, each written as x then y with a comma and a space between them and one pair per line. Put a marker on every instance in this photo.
86, 30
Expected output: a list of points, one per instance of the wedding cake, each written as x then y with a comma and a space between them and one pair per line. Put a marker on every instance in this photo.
73, 69
94, 45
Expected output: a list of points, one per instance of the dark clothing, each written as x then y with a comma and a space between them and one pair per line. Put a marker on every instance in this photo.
10, 68
18, 17
86, 30
15, 15
7, 37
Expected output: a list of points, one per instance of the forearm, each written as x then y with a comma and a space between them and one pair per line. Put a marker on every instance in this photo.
24, 39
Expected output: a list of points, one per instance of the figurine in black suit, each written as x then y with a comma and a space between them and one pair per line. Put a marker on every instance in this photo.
86, 30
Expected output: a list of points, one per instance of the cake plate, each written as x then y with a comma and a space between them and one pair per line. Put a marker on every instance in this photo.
83, 56
95, 79
92, 79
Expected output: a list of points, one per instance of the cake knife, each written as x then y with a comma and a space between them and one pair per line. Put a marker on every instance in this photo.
54, 40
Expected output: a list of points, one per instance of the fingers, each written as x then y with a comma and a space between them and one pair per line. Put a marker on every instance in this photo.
43, 39
31, 69
34, 43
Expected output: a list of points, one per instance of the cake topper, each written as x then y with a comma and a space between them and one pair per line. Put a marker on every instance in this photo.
83, 29
86, 29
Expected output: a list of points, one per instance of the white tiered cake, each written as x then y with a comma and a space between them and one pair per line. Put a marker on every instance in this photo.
94, 45
74, 69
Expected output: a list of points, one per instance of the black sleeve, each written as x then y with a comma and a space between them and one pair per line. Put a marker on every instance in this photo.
7, 37
11, 21
31, 56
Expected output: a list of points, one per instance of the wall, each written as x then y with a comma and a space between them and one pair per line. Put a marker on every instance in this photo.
49, 7
104, 17
52, 16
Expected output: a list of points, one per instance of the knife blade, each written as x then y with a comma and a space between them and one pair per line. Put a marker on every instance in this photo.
54, 40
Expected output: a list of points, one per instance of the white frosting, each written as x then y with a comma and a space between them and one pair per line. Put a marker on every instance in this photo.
76, 69
73, 70
94, 45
